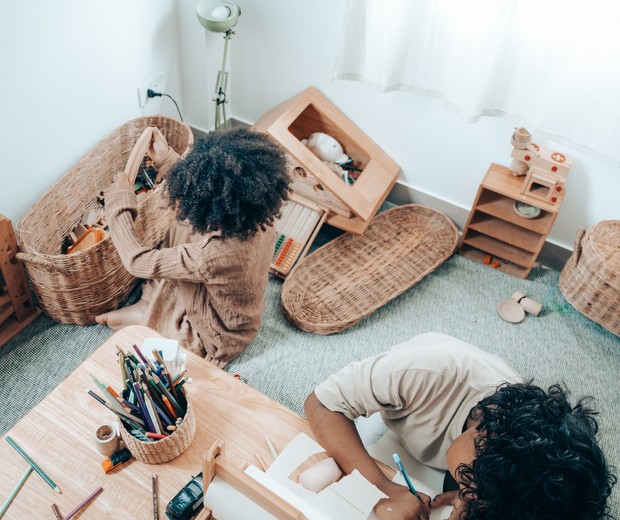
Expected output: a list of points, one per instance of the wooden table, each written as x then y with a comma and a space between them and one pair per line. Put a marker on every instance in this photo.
58, 435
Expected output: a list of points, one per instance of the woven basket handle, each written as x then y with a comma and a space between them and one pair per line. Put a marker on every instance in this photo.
137, 154
40, 262
577, 247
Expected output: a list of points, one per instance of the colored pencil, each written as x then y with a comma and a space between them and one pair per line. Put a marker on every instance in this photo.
402, 470
166, 401
272, 448
261, 462
172, 400
81, 505
33, 464
155, 501
17, 487
56, 512
121, 412
145, 412
104, 390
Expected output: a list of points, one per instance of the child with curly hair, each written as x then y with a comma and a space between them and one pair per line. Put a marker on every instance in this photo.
515, 450
205, 284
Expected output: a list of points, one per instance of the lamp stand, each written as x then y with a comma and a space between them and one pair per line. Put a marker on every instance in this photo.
221, 122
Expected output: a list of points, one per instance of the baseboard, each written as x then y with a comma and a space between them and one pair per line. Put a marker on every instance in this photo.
551, 255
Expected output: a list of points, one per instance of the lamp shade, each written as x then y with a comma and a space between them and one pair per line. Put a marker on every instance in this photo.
217, 15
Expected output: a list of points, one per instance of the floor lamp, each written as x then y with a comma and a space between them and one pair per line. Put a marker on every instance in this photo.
219, 16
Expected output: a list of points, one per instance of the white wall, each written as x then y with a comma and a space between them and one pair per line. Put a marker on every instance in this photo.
281, 47
70, 71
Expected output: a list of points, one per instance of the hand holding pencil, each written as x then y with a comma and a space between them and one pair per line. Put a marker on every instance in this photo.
403, 502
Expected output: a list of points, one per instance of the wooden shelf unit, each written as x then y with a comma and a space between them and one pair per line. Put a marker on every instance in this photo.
494, 228
17, 309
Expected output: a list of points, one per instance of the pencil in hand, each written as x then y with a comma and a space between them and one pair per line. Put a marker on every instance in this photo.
404, 472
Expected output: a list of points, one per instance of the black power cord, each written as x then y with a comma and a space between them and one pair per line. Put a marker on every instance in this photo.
151, 94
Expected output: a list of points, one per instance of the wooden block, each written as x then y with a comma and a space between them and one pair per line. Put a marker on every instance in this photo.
500, 180
544, 159
308, 112
543, 185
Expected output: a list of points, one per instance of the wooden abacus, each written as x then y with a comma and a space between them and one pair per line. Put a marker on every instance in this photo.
295, 230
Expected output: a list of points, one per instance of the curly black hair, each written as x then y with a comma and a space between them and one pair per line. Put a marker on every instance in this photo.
537, 458
234, 181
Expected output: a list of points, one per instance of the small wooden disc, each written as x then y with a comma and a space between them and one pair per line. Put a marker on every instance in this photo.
511, 311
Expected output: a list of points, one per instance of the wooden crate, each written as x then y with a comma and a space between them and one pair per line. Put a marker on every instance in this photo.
349, 207
17, 308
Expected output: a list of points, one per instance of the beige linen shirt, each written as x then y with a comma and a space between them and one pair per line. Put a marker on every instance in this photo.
423, 388
205, 291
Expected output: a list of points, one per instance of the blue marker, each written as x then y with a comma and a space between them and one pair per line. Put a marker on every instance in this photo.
402, 470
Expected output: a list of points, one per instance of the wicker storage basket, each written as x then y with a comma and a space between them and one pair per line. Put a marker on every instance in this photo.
350, 277
163, 450
77, 287
590, 280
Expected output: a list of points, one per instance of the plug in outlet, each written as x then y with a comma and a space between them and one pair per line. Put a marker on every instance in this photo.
155, 83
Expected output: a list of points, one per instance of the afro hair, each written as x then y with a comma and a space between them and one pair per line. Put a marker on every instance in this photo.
234, 181
536, 458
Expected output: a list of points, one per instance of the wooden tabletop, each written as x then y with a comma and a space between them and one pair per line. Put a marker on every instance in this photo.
58, 435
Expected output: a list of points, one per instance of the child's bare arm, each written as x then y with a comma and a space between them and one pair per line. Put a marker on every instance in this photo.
338, 435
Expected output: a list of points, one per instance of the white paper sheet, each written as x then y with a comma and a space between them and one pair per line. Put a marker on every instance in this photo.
352, 497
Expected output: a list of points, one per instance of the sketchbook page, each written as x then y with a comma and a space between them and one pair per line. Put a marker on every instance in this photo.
352, 497
424, 478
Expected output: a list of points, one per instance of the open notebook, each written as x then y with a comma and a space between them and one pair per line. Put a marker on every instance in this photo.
352, 497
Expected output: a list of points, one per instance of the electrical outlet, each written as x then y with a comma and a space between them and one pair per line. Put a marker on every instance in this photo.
155, 83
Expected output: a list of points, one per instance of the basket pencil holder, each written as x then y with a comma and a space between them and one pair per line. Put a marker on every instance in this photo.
77, 287
163, 450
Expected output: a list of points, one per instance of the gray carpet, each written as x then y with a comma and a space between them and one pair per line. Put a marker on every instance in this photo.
460, 298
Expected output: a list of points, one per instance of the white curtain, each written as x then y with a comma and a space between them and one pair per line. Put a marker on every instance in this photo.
549, 65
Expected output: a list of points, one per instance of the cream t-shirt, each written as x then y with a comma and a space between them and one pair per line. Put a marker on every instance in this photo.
423, 388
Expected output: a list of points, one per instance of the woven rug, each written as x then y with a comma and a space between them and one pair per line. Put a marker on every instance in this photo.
460, 298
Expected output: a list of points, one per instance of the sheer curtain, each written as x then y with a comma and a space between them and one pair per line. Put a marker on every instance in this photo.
548, 65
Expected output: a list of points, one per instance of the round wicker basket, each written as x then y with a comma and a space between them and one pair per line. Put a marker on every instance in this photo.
163, 450
77, 287
350, 277
590, 280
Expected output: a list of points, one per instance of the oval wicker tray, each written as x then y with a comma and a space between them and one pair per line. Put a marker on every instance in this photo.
352, 276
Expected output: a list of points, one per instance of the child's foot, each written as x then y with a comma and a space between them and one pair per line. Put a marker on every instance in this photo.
132, 315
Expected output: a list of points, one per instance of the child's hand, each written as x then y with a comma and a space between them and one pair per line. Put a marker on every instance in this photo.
158, 151
404, 505
450, 498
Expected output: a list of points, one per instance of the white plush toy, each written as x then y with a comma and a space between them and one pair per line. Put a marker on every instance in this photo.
326, 148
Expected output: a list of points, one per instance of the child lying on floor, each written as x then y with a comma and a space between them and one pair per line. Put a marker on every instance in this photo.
516, 450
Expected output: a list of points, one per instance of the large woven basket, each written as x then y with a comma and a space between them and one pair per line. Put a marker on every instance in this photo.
350, 277
590, 280
77, 287
163, 450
